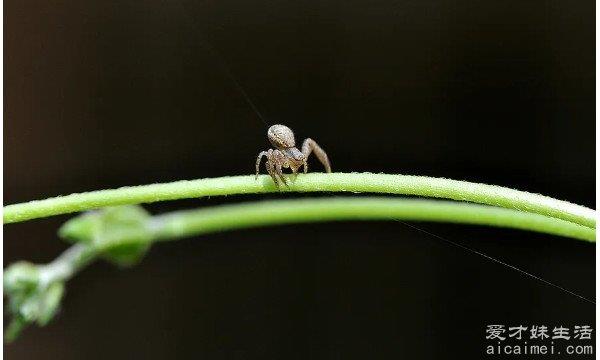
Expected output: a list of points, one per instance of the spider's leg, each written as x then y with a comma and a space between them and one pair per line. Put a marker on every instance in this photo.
279, 160
258, 159
271, 170
295, 167
281, 176
309, 146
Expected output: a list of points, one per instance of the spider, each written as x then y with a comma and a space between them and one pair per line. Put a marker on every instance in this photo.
286, 154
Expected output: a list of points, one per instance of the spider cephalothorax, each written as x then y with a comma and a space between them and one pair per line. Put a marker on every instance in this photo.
286, 154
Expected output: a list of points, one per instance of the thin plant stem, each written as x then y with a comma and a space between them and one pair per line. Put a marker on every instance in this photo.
35, 291
181, 224
278, 212
68, 264
312, 182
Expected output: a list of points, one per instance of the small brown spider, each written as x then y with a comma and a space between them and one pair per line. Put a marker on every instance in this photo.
286, 154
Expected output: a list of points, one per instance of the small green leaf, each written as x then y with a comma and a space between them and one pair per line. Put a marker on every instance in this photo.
21, 276
29, 298
120, 233
50, 302
16, 325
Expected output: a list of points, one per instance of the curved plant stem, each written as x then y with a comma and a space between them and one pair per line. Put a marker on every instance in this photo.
180, 224
230, 217
312, 182
35, 291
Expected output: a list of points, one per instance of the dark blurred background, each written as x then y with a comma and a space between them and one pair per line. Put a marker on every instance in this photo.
100, 94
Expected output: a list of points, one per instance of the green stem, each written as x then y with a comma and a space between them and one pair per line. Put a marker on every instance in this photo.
67, 264
35, 291
230, 217
313, 182
180, 224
